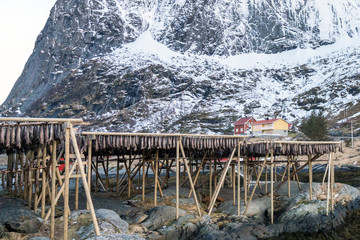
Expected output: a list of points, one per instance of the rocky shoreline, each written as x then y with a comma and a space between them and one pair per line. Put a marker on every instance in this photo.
132, 219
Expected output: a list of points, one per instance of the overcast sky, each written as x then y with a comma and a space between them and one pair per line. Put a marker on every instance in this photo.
20, 23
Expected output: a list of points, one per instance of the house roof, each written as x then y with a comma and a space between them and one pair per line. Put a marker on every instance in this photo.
242, 121
267, 121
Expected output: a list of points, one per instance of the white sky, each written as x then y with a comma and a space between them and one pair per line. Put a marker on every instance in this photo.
21, 21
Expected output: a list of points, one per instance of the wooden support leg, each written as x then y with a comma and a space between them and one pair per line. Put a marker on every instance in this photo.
210, 180
53, 192
328, 187
143, 179
156, 176
233, 182
117, 174
239, 181
222, 178
37, 177
288, 177
66, 182
310, 177
77, 189
177, 176
198, 172
257, 181
246, 181
96, 174
83, 177
43, 184
266, 188
332, 180
190, 178
89, 166
272, 187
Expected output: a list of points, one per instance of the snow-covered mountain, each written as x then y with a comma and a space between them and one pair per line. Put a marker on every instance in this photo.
191, 65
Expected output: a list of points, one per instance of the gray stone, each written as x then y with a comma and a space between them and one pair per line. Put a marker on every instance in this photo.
184, 201
77, 213
25, 226
205, 219
184, 219
117, 237
110, 223
39, 238
161, 215
257, 206
241, 231
211, 232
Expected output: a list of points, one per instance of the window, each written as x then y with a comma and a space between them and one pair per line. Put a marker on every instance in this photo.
241, 130
236, 130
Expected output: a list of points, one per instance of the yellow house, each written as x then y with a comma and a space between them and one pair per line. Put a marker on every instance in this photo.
276, 126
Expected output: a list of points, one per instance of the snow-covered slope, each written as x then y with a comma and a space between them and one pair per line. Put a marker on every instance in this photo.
191, 66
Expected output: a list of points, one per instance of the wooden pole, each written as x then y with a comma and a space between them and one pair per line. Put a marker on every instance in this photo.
53, 191
77, 189
43, 184
89, 168
245, 180
328, 187
66, 182
221, 181
96, 174
129, 175
332, 181
177, 175
83, 177
190, 178
239, 181
198, 173
37, 177
266, 175
272, 186
31, 160
143, 178
156, 176
288, 176
310, 176
210, 180
233, 182
118, 174
257, 181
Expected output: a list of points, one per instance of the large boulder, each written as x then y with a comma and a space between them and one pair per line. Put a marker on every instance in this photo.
17, 217
120, 236
257, 206
160, 216
301, 214
109, 222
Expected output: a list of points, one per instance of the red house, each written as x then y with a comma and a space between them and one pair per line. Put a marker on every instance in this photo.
244, 125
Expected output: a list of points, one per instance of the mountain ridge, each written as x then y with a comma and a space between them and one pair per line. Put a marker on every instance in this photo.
139, 70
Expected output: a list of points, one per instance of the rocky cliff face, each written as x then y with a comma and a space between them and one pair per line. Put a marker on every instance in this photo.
190, 66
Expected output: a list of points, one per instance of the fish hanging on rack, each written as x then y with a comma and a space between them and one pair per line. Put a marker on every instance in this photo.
8, 131
18, 136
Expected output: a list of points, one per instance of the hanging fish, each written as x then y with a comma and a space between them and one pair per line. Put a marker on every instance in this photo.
13, 136
41, 134
18, 137
2, 134
51, 132
46, 133
8, 136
